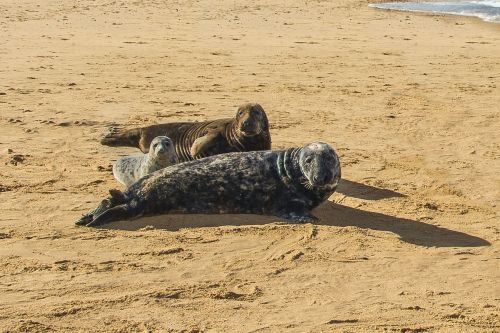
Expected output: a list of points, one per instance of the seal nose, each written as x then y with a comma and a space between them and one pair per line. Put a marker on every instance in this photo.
321, 179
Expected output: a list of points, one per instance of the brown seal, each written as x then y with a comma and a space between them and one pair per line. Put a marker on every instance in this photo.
247, 131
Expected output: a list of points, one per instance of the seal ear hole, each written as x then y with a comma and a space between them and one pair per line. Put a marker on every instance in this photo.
308, 159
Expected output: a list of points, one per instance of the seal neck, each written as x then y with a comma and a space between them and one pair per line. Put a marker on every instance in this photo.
242, 142
153, 163
289, 168
150, 163
233, 138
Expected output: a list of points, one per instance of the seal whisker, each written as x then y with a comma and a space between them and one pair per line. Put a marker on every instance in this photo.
307, 184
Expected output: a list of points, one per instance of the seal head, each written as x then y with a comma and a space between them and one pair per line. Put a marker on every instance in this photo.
311, 174
162, 151
251, 120
320, 166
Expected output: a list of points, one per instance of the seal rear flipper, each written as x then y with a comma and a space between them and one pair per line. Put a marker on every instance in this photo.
121, 212
121, 137
102, 207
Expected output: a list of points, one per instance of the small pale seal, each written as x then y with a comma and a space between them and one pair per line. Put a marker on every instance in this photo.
285, 183
247, 131
129, 169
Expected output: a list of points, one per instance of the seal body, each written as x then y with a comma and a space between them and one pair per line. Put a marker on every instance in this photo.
285, 183
247, 131
129, 169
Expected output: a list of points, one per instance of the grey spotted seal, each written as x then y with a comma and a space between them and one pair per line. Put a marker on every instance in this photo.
247, 131
129, 169
285, 183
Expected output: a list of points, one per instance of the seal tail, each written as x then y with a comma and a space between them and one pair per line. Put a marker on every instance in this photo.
120, 137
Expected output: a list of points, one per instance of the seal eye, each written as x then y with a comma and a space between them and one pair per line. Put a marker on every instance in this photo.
308, 159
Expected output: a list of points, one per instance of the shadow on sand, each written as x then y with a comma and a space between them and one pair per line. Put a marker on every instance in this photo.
331, 214
410, 231
366, 192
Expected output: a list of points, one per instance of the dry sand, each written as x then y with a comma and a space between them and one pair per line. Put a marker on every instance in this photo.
411, 103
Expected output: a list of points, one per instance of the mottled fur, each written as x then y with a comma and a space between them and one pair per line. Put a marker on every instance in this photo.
247, 131
285, 183
129, 169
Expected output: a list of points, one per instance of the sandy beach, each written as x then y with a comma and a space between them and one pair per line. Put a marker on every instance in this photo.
411, 103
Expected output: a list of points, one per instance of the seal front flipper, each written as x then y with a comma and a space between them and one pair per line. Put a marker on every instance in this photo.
207, 145
302, 217
296, 211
